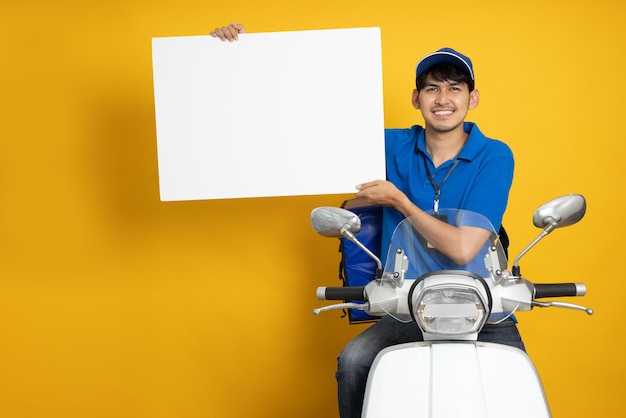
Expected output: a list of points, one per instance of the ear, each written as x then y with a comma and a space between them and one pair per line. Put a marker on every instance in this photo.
474, 99
415, 99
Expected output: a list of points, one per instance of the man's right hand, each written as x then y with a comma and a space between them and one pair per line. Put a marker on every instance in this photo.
228, 33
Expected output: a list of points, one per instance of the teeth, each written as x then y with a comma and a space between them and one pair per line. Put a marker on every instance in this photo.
443, 112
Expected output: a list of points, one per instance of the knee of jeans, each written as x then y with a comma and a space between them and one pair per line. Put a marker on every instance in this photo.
356, 357
350, 366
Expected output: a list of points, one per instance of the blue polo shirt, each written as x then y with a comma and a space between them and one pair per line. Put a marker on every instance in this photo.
479, 182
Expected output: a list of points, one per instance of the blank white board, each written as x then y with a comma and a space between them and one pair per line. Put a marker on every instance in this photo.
273, 114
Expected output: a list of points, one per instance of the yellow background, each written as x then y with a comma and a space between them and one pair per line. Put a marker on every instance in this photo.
114, 304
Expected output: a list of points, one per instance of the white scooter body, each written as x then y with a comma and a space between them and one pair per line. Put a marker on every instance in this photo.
459, 379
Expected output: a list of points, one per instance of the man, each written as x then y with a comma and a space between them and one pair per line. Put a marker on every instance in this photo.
448, 163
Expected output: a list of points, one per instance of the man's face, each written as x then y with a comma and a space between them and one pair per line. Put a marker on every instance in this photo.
444, 104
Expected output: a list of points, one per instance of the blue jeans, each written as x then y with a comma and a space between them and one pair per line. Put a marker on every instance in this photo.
355, 360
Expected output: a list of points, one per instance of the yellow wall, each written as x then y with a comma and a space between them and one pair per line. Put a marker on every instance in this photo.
114, 304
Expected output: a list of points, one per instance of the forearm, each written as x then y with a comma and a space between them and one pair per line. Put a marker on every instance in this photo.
459, 243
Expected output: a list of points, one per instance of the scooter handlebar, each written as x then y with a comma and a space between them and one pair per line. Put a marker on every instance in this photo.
542, 290
551, 290
355, 293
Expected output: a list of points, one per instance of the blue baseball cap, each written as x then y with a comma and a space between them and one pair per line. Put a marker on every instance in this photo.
445, 55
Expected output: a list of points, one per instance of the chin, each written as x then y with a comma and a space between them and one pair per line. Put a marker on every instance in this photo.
446, 127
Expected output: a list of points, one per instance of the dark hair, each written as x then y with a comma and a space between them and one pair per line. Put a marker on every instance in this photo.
445, 72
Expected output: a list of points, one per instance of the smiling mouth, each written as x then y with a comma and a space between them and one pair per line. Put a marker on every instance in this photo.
443, 112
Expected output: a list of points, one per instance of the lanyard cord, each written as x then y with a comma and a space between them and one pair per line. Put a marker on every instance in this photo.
435, 186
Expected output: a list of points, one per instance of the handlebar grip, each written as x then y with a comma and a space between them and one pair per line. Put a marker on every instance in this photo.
356, 293
552, 290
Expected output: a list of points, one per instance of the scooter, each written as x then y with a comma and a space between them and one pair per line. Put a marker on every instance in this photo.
450, 373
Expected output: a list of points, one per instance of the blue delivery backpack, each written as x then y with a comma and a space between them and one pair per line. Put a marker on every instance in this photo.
356, 268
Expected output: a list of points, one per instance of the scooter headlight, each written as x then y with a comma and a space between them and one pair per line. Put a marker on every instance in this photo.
451, 308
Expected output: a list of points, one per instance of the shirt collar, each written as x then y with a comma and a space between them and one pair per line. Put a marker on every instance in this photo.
475, 142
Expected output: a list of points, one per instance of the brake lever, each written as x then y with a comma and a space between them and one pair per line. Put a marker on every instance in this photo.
340, 306
562, 305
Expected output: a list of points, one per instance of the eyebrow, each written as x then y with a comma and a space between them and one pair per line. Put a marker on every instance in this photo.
439, 83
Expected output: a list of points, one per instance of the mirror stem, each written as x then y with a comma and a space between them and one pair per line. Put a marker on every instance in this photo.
551, 226
349, 235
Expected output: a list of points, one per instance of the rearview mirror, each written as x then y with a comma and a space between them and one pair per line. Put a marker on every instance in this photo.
562, 211
335, 222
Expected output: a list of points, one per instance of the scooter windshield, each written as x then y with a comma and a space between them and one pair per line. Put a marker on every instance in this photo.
424, 258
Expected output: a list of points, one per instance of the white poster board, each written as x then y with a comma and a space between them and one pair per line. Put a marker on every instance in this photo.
273, 114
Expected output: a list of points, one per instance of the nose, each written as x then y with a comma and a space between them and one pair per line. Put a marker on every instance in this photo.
442, 97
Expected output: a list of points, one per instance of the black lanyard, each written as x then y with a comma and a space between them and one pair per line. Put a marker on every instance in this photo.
435, 186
